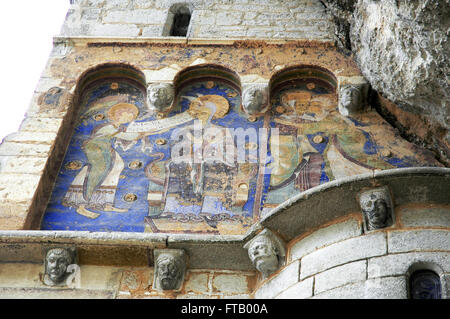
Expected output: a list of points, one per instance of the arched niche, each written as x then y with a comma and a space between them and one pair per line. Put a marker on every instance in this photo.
90, 188
207, 193
206, 72
426, 280
208, 79
302, 74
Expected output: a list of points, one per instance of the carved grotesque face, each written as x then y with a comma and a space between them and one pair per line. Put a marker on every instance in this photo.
159, 96
253, 100
169, 272
263, 255
350, 97
57, 261
376, 211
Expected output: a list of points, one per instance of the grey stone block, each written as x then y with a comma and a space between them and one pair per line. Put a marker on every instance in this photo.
138, 16
279, 282
445, 281
381, 288
212, 252
325, 236
44, 293
229, 18
119, 30
18, 149
425, 217
418, 240
398, 264
152, 31
115, 4
25, 253
300, 290
352, 291
340, 276
386, 288
343, 252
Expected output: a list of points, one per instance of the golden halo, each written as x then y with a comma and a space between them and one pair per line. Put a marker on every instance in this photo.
198, 106
122, 107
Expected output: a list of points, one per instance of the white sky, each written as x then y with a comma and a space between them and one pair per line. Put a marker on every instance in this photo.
27, 28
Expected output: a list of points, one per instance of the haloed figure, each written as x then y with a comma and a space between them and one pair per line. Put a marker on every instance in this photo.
56, 262
94, 186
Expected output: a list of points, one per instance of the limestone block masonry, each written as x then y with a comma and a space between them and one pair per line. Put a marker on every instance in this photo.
299, 19
345, 264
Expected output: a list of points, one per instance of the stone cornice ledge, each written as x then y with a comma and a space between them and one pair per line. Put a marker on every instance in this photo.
309, 209
338, 198
89, 40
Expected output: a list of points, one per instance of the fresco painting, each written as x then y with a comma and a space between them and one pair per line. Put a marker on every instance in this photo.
120, 173
317, 144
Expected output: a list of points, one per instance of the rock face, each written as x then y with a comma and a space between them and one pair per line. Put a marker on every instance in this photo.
402, 49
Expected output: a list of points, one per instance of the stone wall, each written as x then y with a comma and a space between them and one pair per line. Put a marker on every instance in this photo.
23, 281
299, 19
336, 260
339, 260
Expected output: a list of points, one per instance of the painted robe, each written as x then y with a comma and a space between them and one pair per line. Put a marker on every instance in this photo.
95, 185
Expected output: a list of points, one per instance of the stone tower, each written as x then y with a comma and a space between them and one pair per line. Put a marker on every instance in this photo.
222, 149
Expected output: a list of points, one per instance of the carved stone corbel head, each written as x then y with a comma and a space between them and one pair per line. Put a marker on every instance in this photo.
267, 252
377, 208
57, 262
352, 98
255, 98
160, 96
170, 268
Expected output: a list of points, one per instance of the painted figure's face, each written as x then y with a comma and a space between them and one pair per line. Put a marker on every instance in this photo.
57, 263
201, 110
263, 256
168, 273
350, 97
125, 117
375, 209
253, 100
122, 113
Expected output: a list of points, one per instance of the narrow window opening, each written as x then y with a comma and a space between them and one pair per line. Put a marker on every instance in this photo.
425, 284
180, 24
